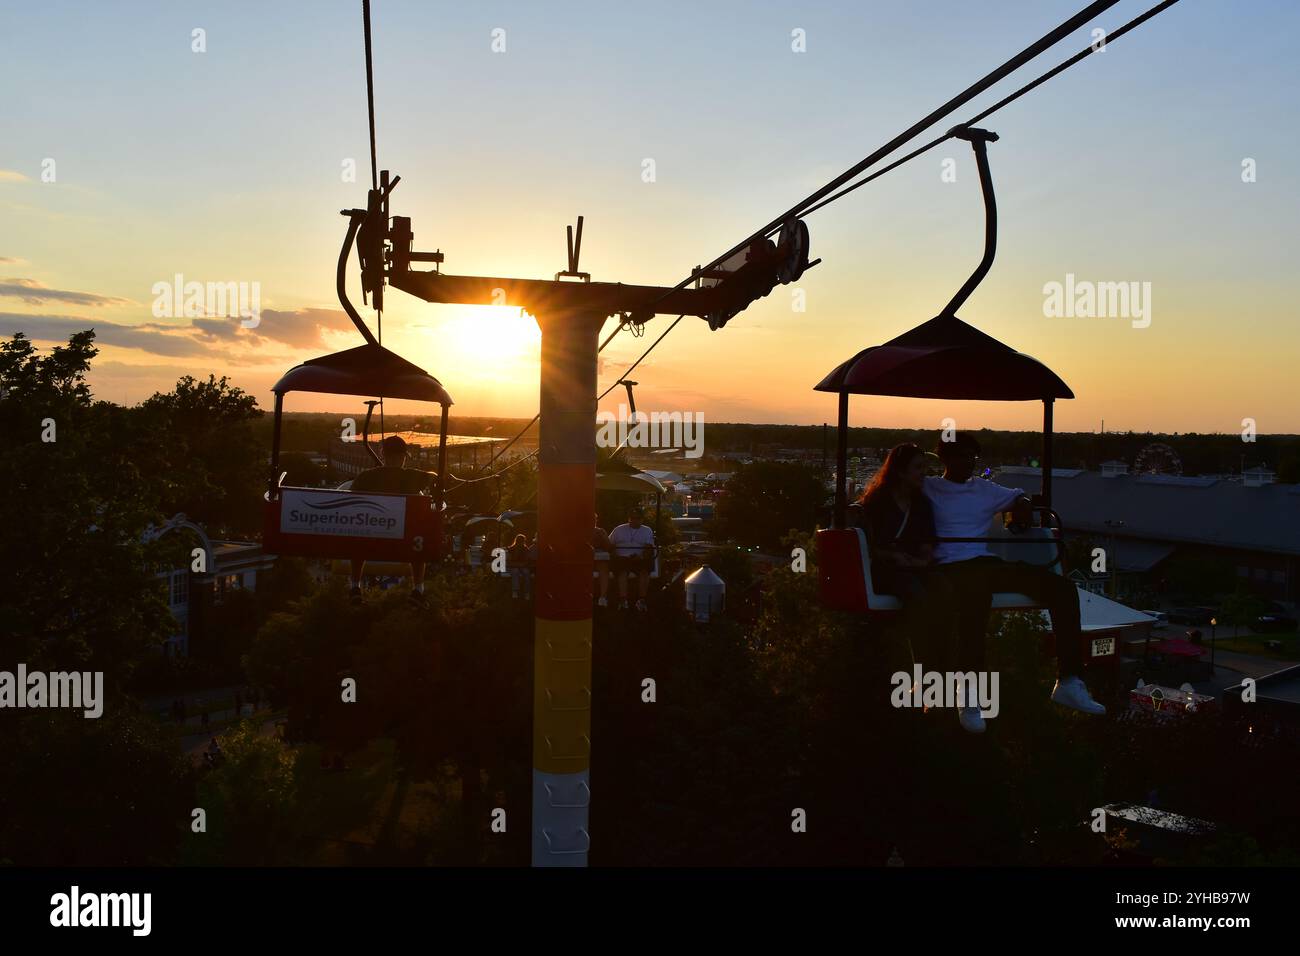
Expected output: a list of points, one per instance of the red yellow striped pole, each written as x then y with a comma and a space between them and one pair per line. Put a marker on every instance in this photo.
566, 501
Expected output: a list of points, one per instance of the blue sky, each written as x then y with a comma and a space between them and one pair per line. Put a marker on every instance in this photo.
226, 165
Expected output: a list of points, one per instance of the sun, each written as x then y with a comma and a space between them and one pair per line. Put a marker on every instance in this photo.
482, 341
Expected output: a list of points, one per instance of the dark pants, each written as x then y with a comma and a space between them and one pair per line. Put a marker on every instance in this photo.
927, 621
974, 583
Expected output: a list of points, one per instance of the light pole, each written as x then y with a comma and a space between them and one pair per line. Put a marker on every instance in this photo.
1214, 623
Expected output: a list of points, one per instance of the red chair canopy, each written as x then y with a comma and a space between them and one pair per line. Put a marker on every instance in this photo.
946, 358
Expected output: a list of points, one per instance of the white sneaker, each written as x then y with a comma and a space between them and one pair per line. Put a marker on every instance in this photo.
1072, 693
972, 721
602, 602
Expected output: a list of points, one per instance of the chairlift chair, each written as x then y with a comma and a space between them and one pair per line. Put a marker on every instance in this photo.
329, 523
943, 358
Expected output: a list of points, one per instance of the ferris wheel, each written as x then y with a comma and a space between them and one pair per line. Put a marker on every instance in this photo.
1158, 459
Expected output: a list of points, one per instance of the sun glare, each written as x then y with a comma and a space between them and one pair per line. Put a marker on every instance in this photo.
479, 341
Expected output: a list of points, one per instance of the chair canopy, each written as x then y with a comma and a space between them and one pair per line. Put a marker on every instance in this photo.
370, 370
946, 358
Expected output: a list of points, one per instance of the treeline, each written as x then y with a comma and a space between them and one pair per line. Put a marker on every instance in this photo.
1197, 454
312, 431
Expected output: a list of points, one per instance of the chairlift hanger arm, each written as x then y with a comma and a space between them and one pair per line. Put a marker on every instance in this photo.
979, 140
355, 218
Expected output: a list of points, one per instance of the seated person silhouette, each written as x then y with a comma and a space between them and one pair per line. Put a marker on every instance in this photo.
964, 507
634, 552
393, 477
899, 524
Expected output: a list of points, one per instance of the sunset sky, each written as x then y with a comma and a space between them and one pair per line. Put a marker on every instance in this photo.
227, 166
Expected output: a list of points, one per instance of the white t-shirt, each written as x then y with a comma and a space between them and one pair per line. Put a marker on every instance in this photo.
629, 542
965, 510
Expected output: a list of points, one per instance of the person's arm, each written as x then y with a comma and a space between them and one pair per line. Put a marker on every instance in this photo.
1016, 503
421, 480
923, 514
1022, 512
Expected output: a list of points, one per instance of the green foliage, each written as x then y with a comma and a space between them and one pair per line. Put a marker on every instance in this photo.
766, 500
1240, 608
198, 442
251, 800
80, 590
300, 470
112, 791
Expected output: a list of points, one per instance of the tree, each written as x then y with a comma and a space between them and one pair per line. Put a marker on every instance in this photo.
300, 470
766, 500
199, 441
115, 791
1240, 608
80, 586
251, 800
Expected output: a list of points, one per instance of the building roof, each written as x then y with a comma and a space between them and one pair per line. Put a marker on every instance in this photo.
425, 439
1097, 613
231, 556
1159, 508
1282, 685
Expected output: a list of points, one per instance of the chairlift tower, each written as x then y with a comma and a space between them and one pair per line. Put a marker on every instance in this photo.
570, 310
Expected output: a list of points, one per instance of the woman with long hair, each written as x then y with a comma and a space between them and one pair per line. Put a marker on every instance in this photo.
899, 523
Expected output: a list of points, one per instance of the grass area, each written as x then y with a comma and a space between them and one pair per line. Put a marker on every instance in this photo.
1257, 644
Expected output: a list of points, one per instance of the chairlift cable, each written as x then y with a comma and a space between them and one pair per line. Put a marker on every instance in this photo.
627, 371
533, 421
1049, 39
535, 418
827, 194
374, 163
370, 95
1055, 71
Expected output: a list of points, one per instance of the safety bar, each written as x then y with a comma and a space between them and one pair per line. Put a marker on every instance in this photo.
1055, 525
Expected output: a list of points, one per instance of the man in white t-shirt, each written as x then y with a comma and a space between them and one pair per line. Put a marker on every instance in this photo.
633, 550
964, 507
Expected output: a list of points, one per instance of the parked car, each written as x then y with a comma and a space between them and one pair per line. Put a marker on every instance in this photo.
1275, 618
1193, 616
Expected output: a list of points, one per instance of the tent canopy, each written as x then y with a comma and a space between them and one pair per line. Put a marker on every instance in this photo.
640, 482
946, 358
